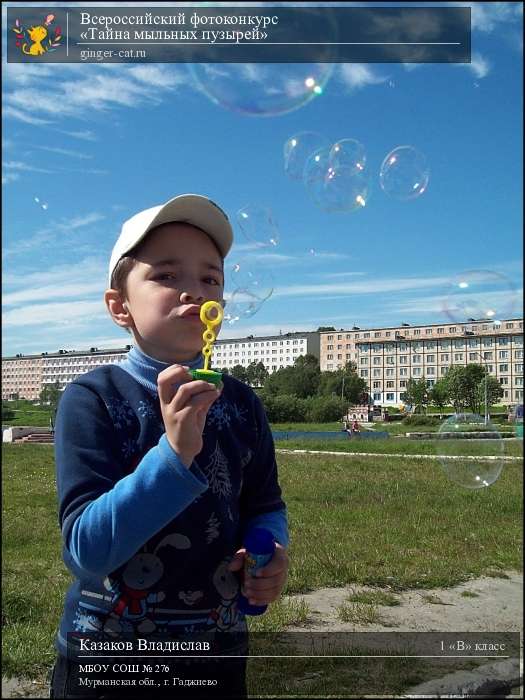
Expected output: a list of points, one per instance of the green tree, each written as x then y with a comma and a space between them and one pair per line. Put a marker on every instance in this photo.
463, 386
345, 382
438, 394
301, 379
416, 394
239, 372
50, 395
256, 373
494, 392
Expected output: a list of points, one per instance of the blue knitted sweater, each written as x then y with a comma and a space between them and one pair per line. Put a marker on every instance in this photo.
147, 539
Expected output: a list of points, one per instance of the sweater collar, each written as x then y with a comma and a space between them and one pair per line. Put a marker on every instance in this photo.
145, 369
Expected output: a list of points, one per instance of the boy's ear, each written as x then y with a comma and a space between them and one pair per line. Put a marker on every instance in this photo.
118, 309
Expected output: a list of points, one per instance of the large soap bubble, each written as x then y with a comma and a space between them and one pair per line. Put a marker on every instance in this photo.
252, 286
261, 89
404, 173
471, 472
298, 148
480, 294
258, 224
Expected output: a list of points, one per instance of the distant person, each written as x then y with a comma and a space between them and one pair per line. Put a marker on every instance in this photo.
355, 427
160, 477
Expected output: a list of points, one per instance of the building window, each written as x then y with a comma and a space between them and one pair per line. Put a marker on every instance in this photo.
416, 371
390, 397
376, 385
452, 329
504, 368
376, 373
458, 357
364, 373
430, 358
503, 354
390, 385
403, 372
430, 370
504, 380
444, 357
416, 358
441, 330
403, 359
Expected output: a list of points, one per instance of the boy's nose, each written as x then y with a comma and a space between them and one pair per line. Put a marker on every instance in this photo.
188, 298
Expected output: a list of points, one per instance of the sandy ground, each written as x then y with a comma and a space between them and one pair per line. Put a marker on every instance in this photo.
497, 607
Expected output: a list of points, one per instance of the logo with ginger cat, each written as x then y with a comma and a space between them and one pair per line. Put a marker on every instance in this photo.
38, 39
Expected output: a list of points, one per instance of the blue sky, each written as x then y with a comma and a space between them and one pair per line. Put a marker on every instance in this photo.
94, 144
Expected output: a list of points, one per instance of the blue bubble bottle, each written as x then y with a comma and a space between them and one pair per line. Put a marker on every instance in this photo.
260, 547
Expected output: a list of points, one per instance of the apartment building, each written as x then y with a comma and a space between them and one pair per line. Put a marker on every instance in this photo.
274, 351
24, 376
388, 357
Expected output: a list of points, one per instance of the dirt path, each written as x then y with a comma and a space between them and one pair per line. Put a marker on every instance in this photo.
496, 606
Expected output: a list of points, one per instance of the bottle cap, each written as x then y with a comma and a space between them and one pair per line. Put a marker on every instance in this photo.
259, 540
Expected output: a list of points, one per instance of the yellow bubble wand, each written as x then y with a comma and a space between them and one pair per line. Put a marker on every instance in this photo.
211, 314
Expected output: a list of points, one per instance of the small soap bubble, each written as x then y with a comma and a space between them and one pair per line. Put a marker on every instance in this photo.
404, 173
336, 187
469, 472
297, 150
241, 304
480, 295
349, 154
258, 225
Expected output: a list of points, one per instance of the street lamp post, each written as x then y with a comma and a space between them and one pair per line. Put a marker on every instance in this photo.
486, 387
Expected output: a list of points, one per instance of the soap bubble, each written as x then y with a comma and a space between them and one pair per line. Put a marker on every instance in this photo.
348, 153
404, 173
258, 281
467, 471
480, 294
333, 187
261, 89
241, 304
258, 224
297, 150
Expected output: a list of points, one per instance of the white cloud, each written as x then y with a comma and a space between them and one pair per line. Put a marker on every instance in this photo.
64, 152
57, 313
50, 233
62, 291
358, 75
19, 165
479, 65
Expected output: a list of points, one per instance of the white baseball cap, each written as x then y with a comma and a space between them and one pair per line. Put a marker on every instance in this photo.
192, 209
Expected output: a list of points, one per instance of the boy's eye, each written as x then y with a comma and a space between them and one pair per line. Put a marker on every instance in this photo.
165, 276
212, 280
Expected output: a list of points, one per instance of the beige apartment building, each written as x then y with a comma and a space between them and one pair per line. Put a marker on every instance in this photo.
386, 358
24, 376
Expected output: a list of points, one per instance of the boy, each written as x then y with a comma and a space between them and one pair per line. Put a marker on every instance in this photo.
159, 477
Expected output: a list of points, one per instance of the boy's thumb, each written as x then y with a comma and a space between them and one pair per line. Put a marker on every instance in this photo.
238, 561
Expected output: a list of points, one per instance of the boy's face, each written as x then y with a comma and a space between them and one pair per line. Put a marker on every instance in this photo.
178, 268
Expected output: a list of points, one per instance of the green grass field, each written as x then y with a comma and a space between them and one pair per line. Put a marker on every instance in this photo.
380, 521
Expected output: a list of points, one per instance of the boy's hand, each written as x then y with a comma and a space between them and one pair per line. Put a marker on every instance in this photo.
269, 581
184, 410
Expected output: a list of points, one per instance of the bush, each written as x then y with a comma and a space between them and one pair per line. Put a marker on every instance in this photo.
284, 408
324, 409
417, 420
7, 413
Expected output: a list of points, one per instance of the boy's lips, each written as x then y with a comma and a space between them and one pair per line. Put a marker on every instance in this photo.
191, 311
